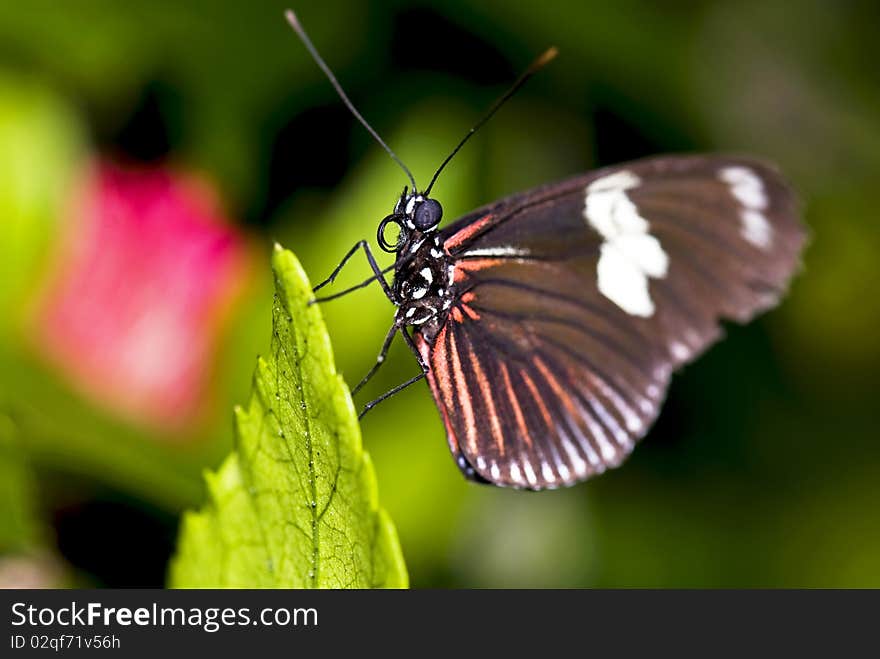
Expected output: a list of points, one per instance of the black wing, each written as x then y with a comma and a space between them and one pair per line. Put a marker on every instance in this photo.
576, 301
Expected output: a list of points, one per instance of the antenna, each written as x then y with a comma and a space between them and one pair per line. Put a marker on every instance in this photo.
534, 67
301, 33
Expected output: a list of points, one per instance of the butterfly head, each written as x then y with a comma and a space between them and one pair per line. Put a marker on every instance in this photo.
413, 213
419, 211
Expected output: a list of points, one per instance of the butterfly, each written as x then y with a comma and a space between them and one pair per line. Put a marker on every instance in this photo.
548, 324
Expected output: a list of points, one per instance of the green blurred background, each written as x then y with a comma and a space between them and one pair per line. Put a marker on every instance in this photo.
764, 467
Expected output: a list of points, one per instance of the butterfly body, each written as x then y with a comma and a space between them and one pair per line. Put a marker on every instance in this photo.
422, 284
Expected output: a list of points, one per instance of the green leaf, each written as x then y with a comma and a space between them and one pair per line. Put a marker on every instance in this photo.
295, 505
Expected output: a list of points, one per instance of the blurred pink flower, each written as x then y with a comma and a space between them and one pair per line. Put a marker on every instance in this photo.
147, 273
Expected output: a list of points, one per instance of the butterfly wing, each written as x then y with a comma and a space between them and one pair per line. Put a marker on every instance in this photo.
575, 302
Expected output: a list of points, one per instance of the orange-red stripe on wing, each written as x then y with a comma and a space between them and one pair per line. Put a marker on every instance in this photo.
517, 412
464, 397
437, 390
463, 235
472, 265
538, 398
576, 412
486, 390
437, 358
464, 267
473, 315
556, 386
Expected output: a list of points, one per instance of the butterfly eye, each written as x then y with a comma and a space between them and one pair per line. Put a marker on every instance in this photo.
427, 214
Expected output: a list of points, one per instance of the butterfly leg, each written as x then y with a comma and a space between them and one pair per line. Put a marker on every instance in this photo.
339, 267
381, 359
389, 394
378, 273
351, 289
386, 344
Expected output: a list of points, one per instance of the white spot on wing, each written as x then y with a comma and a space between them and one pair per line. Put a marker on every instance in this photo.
495, 471
745, 186
622, 282
547, 472
506, 250
609, 210
419, 293
564, 473
629, 255
756, 229
748, 189
580, 467
530, 473
624, 179
427, 275
645, 251
605, 447
680, 351
515, 475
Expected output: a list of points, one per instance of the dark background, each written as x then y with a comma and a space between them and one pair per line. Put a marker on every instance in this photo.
763, 468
